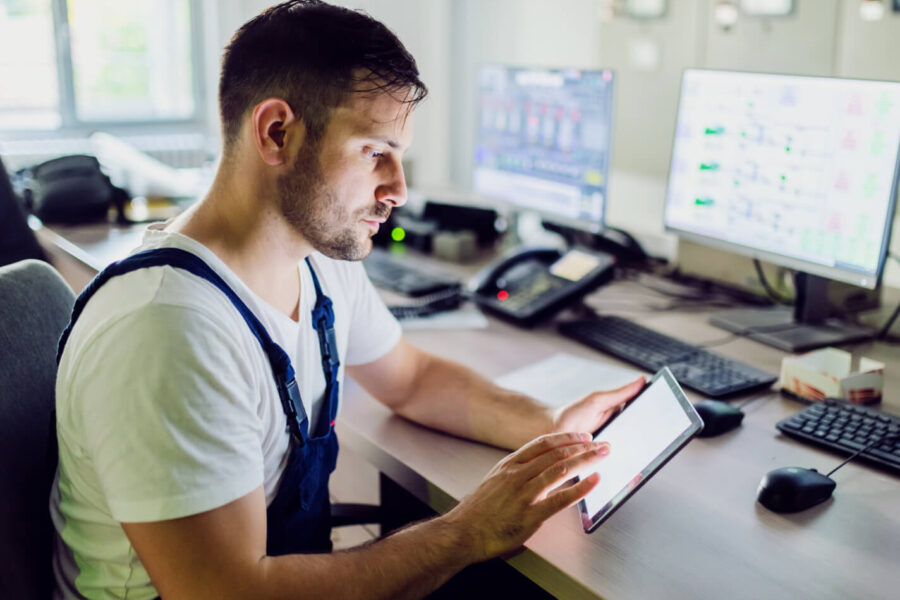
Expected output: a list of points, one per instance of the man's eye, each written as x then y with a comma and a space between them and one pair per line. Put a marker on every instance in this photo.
374, 154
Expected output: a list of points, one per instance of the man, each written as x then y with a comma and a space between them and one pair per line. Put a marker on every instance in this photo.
191, 466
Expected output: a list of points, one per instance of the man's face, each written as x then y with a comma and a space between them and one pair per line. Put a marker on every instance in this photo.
343, 187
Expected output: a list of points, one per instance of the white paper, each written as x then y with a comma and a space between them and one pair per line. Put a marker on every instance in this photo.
564, 378
465, 317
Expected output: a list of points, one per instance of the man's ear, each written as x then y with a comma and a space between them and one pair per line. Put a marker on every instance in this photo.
272, 123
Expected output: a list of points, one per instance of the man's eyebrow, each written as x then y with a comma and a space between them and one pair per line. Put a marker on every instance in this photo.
383, 140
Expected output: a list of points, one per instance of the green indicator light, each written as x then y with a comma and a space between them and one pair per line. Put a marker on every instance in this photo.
784, 177
397, 234
703, 201
787, 149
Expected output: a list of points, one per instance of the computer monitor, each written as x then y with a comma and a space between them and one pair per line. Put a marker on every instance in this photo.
799, 171
543, 141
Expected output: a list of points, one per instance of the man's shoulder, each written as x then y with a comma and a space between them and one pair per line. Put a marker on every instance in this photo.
158, 305
139, 291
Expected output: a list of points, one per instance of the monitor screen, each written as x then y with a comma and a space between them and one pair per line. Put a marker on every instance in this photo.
543, 141
799, 171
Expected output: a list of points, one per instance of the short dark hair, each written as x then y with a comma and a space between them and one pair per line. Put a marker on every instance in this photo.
312, 55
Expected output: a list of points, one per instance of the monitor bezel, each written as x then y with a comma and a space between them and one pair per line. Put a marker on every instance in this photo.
589, 226
836, 273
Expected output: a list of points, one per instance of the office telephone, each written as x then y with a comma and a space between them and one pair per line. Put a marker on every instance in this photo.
531, 284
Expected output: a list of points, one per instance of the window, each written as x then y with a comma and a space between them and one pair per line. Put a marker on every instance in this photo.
29, 90
70, 63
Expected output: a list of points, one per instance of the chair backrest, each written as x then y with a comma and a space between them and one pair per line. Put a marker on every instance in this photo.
35, 305
17, 241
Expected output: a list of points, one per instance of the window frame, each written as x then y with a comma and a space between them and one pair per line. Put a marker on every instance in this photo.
70, 124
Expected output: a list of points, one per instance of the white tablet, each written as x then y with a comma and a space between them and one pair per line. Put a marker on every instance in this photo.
643, 436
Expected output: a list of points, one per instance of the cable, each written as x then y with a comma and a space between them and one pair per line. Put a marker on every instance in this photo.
776, 296
718, 342
745, 332
886, 328
698, 298
861, 450
752, 399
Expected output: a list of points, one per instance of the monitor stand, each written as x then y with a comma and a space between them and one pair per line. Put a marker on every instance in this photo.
804, 327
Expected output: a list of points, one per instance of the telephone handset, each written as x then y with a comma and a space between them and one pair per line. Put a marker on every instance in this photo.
531, 284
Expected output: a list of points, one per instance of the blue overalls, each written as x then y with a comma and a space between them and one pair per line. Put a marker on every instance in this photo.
299, 518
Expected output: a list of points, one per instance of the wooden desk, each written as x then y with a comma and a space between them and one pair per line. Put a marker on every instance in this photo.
80, 251
694, 530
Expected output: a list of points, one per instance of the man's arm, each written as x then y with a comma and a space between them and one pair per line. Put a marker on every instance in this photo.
222, 553
450, 397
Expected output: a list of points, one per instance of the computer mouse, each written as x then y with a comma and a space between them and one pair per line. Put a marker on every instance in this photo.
718, 417
792, 489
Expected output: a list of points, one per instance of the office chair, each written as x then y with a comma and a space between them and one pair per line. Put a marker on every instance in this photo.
17, 241
35, 305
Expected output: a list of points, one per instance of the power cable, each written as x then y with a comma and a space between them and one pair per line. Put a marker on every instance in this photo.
773, 294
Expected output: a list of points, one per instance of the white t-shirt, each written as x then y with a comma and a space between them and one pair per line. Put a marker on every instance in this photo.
167, 406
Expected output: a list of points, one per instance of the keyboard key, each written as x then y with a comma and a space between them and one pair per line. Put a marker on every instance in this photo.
882, 454
853, 444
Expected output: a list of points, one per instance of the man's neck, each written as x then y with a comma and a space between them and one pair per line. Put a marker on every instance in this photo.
236, 223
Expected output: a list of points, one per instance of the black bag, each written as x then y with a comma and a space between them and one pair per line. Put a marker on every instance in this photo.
72, 189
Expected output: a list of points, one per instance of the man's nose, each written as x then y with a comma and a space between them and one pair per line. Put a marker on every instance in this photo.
393, 189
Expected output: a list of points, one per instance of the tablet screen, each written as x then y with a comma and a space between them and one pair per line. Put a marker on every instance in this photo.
651, 429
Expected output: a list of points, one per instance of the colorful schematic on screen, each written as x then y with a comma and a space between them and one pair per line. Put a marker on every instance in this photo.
802, 168
544, 140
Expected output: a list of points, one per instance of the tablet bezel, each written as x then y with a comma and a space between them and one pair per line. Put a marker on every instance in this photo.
591, 522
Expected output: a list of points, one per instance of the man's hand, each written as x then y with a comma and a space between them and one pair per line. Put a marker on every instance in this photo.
592, 411
517, 495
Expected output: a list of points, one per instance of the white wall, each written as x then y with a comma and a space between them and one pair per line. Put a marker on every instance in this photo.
424, 28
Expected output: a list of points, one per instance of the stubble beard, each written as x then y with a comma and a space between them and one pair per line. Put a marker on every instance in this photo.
315, 211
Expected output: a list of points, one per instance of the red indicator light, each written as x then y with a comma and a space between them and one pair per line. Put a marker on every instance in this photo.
502, 295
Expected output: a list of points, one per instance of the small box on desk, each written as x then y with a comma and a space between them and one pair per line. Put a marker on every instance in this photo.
829, 373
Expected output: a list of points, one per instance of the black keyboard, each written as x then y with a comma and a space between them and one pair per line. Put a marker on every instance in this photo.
839, 425
397, 275
709, 373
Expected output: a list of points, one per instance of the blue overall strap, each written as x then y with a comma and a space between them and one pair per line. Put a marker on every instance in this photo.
323, 322
285, 380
